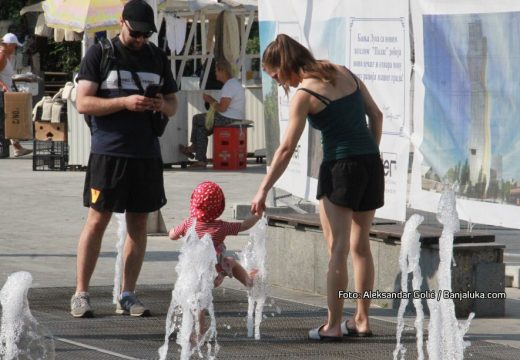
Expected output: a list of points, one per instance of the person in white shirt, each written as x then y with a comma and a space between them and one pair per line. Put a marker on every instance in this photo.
230, 108
7, 51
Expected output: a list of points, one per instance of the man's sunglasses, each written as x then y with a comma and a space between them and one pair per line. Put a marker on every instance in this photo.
138, 34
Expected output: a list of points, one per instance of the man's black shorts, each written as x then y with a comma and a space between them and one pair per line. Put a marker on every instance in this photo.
118, 184
356, 182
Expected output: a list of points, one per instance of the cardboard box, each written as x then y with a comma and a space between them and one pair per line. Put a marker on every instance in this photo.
18, 122
45, 130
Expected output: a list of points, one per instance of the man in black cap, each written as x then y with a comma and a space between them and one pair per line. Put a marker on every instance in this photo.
124, 173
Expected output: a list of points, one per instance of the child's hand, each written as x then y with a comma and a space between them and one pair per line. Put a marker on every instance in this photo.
250, 221
173, 236
218, 280
251, 278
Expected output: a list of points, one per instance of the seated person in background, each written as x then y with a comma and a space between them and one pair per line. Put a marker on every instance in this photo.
230, 108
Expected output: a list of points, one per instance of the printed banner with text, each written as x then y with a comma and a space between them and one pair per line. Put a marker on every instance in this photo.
372, 40
466, 107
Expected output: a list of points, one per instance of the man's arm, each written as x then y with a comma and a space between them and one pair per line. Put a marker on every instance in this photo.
220, 106
88, 103
3, 59
4, 87
3, 62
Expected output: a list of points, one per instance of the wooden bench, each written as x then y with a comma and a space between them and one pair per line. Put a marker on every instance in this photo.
297, 259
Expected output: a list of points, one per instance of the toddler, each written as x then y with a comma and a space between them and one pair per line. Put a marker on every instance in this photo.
206, 205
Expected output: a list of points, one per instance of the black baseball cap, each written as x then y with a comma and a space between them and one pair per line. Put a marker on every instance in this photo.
140, 16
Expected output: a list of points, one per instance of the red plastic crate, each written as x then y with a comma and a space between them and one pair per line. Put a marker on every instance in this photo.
230, 147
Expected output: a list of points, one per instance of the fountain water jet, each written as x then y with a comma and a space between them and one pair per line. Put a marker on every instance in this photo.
253, 257
409, 263
445, 333
21, 336
191, 296
118, 274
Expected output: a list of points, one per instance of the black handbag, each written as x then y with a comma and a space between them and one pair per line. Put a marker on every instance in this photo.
159, 122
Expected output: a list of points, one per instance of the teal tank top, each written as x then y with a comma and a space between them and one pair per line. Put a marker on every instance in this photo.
343, 126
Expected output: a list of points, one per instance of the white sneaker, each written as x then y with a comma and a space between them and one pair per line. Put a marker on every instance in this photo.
21, 152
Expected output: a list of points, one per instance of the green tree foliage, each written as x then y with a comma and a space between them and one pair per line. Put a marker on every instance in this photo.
506, 191
253, 46
10, 9
63, 56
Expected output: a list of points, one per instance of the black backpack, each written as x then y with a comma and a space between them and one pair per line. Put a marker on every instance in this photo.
107, 57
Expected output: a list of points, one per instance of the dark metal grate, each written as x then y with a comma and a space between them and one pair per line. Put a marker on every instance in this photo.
284, 336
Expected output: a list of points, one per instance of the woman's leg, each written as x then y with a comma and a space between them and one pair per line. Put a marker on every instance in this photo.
363, 264
335, 222
199, 137
222, 120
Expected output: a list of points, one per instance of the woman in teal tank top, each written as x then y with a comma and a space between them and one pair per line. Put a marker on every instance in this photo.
351, 177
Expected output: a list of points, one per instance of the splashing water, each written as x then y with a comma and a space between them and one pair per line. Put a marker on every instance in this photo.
445, 333
21, 336
409, 263
192, 295
118, 274
253, 257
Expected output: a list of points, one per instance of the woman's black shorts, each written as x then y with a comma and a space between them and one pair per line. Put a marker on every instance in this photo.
356, 182
118, 184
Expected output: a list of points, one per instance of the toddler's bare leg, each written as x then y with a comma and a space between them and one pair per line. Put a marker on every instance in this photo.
240, 273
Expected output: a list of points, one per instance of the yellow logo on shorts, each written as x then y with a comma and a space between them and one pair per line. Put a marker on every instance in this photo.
94, 194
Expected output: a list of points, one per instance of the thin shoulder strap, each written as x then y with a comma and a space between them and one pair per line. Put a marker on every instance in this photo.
321, 98
353, 76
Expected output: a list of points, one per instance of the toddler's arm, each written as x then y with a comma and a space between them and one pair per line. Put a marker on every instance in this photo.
177, 232
174, 235
249, 222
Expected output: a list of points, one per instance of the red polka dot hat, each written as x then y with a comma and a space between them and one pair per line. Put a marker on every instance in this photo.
207, 202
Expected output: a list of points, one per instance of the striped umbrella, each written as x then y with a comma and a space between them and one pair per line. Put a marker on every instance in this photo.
83, 15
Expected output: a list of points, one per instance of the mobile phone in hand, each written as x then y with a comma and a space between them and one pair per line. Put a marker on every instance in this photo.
152, 90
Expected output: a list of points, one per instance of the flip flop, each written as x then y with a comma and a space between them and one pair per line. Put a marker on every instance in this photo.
314, 334
350, 332
198, 165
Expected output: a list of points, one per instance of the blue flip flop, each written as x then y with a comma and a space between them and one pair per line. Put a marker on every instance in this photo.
314, 334
349, 332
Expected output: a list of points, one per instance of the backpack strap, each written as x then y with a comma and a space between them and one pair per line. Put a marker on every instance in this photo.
108, 57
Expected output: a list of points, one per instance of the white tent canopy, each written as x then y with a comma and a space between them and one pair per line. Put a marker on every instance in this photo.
32, 8
203, 11
206, 5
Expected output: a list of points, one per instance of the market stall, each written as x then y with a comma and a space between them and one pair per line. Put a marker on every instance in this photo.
200, 45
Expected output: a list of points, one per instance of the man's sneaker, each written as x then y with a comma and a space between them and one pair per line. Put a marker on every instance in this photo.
80, 305
130, 305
